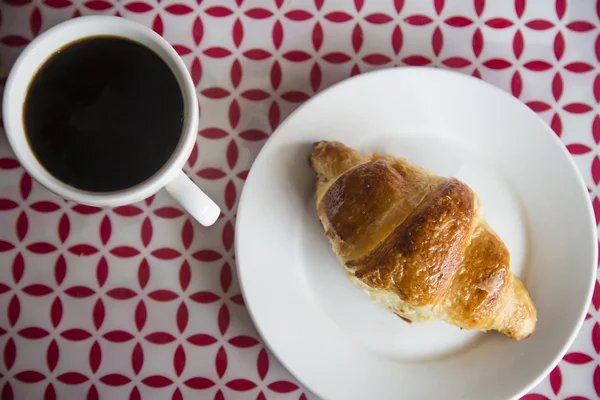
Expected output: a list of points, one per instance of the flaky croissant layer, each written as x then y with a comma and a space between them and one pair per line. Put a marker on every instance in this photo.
417, 243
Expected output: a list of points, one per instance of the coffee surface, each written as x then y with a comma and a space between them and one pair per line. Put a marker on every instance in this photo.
103, 114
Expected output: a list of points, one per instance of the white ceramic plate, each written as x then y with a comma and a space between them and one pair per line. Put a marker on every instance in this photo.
327, 332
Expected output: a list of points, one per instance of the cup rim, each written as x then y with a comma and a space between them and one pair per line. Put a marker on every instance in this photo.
15, 129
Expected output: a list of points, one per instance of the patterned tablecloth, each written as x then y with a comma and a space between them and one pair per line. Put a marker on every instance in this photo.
141, 302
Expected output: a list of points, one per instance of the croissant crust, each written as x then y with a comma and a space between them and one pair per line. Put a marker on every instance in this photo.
417, 243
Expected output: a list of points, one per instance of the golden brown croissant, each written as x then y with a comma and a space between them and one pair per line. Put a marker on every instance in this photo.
417, 243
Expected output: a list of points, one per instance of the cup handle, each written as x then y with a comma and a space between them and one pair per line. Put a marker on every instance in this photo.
194, 200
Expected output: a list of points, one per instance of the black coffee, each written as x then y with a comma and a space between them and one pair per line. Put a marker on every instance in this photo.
103, 114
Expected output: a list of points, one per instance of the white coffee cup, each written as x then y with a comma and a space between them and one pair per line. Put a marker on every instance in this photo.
170, 176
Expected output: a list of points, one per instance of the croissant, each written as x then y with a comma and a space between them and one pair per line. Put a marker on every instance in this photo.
417, 243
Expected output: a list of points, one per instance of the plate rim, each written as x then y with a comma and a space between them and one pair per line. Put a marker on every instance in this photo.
456, 75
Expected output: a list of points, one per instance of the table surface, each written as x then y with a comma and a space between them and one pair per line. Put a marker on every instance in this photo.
141, 302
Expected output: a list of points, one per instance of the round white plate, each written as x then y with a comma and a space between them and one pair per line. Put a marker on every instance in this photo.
329, 334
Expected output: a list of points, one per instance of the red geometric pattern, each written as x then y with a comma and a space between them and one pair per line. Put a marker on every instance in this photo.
140, 301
